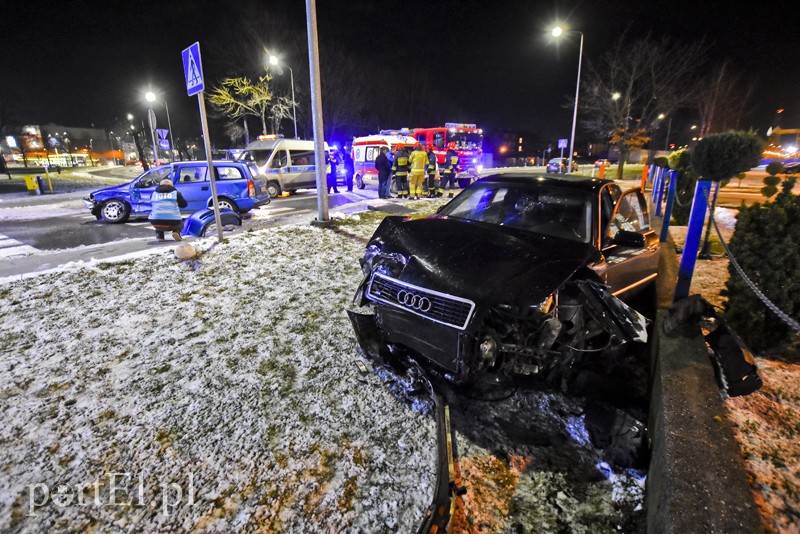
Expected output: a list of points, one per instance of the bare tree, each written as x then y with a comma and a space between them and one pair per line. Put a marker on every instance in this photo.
280, 109
234, 131
633, 83
722, 104
240, 97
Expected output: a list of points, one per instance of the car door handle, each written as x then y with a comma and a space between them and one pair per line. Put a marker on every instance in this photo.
204, 188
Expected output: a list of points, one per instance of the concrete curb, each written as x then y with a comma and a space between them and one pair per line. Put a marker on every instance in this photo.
697, 481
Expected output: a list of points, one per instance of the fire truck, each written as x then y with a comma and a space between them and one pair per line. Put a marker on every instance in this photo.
366, 149
468, 142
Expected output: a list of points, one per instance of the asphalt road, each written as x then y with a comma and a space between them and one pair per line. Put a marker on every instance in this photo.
40, 225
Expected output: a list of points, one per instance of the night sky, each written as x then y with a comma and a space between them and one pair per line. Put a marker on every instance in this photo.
83, 63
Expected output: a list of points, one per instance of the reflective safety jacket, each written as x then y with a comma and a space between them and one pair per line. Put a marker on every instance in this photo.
400, 163
165, 203
450, 162
418, 160
431, 163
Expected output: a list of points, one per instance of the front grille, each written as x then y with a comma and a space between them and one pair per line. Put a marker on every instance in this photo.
438, 307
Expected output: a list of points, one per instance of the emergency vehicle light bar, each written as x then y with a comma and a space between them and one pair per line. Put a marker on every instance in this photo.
459, 125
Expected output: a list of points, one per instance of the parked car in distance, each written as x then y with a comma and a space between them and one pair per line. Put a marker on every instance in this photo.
599, 163
239, 189
559, 165
520, 274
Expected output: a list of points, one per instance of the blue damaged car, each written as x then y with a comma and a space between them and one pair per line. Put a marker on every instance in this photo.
239, 188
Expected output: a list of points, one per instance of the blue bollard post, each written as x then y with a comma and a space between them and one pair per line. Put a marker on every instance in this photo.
653, 181
662, 172
673, 187
693, 235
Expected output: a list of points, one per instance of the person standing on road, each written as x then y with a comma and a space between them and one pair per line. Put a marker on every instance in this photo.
400, 170
418, 160
349, 168
330, 169
384, 169
431, 168
165, 214
449, 170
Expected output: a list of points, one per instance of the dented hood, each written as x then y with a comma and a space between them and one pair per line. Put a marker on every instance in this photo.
477, 260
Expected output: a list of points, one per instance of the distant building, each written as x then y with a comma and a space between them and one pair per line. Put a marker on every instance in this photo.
54, 144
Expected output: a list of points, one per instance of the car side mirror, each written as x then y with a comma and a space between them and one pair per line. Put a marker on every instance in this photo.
624, 238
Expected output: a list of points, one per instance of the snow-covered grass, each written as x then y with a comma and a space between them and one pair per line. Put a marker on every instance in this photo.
767, 422
223, 393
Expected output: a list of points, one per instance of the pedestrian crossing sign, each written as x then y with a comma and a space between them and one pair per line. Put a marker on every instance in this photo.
193, 69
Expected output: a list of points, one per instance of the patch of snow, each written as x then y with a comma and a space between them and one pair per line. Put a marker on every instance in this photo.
232, 380
725, 218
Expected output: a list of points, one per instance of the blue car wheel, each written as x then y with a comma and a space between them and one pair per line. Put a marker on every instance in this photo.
115, 211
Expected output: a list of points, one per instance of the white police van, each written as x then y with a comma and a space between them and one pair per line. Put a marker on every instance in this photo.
288, 164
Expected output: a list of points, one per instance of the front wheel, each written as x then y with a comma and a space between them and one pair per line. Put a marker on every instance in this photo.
463, 183
115, 211
360, 181
274, 189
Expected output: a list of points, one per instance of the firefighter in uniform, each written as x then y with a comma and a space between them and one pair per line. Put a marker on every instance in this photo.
449, 170
432, 185
418, 160
400, 172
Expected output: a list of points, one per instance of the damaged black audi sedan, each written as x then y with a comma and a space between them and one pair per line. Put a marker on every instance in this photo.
520, 274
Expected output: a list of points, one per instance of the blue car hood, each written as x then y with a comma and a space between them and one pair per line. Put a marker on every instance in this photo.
114, 188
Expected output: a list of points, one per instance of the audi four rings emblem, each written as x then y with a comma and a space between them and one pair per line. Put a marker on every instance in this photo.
411, 300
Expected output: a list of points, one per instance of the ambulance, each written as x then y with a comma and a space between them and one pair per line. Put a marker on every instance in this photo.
366, 149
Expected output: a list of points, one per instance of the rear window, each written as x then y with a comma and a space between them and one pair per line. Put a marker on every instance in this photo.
229, 173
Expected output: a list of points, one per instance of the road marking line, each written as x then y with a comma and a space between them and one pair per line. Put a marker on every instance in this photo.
11, 247
277, 210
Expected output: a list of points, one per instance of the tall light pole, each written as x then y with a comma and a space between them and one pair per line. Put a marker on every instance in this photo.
557, 31
151, 97
273, 60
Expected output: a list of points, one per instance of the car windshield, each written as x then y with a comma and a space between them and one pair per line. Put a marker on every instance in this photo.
540, 209
154, 176
465, 140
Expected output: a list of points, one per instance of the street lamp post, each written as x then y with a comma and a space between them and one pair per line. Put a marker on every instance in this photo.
273, 60
557, 31
151, 97
171, 140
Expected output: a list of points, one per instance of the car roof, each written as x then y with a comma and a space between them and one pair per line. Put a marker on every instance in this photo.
584, 183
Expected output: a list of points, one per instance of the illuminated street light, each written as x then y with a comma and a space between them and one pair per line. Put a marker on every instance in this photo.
557, 31
273, 60
616, 95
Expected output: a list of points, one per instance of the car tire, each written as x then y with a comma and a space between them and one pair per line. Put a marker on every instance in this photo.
115, 211
463, 183
360, 181
274, 189
225, 203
